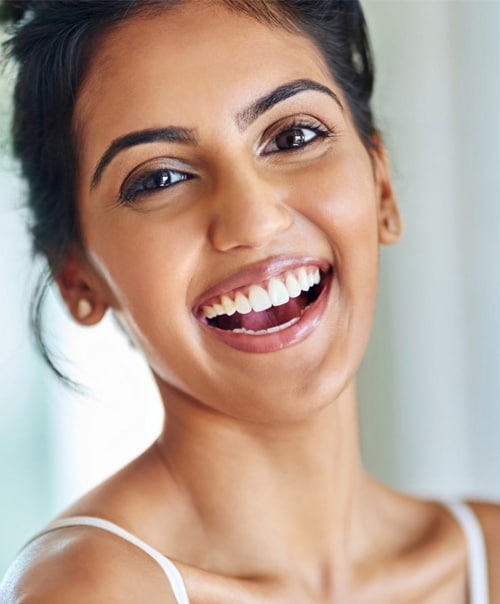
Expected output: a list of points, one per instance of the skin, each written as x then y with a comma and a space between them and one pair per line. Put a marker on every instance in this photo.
255, 487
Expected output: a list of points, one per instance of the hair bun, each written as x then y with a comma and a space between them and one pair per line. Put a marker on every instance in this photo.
15, 11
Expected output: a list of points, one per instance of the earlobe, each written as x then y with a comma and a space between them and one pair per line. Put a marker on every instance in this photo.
84, 308
79, 292
390, 227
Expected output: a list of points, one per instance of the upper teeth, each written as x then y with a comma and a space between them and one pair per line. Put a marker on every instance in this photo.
278, 291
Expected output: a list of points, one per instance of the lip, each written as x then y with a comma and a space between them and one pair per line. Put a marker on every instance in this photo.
276, 341
257, 273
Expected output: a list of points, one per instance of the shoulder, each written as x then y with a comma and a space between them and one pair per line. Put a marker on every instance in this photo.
488, 515
77, 566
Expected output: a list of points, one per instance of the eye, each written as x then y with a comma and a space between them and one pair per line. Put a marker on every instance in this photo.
295, 136
151, 181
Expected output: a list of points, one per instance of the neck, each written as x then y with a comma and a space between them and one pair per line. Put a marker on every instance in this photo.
300, 483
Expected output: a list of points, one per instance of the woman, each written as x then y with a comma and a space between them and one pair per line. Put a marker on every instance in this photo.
209, 172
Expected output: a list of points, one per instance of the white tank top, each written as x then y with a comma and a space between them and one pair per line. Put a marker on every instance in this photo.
477, 563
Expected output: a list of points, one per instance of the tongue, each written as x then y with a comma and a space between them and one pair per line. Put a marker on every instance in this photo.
276, 315
256, 321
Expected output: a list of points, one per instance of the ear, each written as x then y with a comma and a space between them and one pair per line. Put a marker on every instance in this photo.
80, 291
390, 227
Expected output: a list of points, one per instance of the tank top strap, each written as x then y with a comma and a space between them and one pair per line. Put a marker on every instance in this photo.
477, 559
173, 575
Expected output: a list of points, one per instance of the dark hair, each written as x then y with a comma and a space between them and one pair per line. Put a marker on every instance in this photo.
53, 42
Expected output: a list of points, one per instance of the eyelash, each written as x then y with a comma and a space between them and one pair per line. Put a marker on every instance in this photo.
318, 129
153, 180
140, 186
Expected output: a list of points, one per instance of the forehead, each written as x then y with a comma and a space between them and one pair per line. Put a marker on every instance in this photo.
173, 66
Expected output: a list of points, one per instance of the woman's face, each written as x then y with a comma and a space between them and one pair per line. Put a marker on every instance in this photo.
219, 167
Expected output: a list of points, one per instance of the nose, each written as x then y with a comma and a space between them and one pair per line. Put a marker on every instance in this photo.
248, 211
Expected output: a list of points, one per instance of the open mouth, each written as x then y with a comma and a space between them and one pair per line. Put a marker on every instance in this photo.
268, 307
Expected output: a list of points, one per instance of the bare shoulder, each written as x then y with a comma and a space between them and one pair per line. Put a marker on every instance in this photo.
77, 566
488, 515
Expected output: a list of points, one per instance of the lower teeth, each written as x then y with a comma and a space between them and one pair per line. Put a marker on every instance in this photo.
262, 332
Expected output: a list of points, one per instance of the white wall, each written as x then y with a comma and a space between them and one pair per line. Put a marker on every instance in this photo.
436, 413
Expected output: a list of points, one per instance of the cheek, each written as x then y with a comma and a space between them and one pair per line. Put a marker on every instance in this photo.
147, 263
145, 259
339, 197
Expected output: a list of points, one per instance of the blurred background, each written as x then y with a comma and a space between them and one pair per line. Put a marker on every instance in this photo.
430, 383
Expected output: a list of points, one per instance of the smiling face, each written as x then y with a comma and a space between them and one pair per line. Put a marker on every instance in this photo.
230, 213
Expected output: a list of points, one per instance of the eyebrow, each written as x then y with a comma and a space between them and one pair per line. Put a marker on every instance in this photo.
187, 136
171, 134
257, 108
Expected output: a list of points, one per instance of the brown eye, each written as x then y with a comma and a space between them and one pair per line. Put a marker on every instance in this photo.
290, 139
157, 180
150, 182
294, 137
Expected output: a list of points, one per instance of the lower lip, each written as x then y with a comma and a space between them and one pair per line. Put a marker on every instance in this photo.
279, 340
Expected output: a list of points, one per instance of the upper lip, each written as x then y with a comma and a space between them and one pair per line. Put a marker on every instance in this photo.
257, 273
